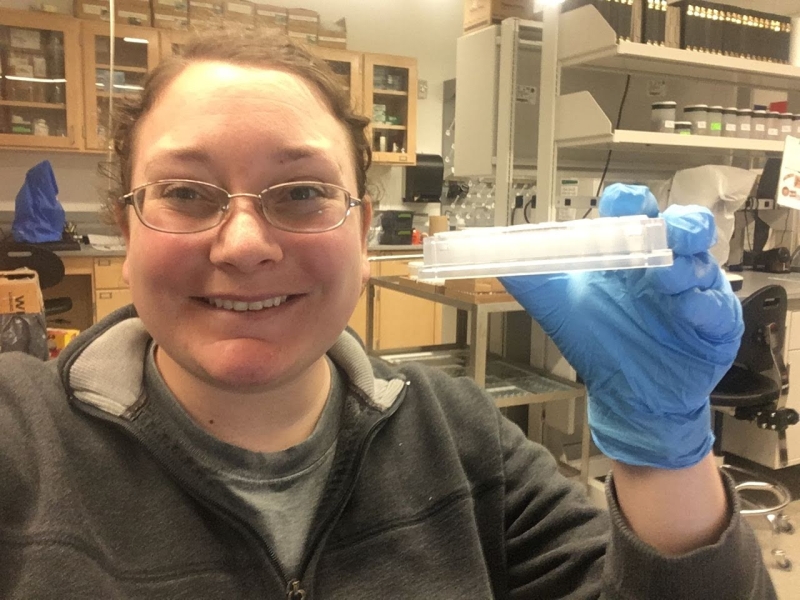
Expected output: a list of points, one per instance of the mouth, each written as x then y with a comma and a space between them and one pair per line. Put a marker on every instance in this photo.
246, 305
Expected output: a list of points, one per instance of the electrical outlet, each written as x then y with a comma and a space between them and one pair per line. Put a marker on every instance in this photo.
766, 204
422, 89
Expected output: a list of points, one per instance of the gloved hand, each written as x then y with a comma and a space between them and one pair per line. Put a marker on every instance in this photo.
650, 344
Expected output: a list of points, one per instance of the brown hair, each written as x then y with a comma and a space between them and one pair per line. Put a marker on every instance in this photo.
243, 48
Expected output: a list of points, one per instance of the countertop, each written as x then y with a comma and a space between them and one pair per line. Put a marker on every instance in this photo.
754, 281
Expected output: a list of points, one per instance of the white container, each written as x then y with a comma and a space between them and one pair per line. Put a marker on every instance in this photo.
787, 126
759, 131
697, 114
683, 127
715, 121
730, 122
40, 127
663, 116
796, 125
744, 122
582, 245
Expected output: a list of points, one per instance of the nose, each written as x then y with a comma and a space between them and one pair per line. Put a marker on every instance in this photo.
245, 241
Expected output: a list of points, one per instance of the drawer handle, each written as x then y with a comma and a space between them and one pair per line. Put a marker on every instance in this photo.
106, 295
103, 262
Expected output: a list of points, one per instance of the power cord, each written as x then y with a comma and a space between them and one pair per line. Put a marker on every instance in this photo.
611, 150
529, 204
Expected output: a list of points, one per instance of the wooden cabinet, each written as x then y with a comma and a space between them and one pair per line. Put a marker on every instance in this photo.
135, 52
349, 66
110, 290
390, 100
171, 42
40, 80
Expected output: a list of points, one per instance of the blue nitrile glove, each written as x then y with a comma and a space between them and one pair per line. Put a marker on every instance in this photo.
650, 344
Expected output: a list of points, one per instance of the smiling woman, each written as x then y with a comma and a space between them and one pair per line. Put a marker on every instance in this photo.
228, 437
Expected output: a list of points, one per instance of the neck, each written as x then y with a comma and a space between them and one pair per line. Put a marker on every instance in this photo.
261, 421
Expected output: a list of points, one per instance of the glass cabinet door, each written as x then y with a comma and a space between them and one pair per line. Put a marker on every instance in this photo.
348, 65
136, 51
40, 95
390, 92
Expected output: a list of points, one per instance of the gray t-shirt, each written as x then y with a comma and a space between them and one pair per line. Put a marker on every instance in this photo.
282, 489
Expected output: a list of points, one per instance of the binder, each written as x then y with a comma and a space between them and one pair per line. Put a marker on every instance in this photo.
649, 23
624, 19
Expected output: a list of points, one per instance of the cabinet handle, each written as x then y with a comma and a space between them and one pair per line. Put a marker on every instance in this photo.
104, 262
106, 295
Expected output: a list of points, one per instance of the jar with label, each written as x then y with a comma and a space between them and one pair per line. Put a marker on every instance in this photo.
796, 125
663, 116
787, 126
697, 114
759, 131
773, 125
715, 121
40, 127
729, 122
683, 127
744, 122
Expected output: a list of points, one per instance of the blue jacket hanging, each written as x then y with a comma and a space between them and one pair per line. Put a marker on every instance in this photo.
38, 216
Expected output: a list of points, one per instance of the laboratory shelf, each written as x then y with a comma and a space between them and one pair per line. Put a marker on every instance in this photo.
39, 105
587, 40
582, 124
508, 383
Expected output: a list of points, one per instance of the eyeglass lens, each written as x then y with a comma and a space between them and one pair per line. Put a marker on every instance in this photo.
190, 206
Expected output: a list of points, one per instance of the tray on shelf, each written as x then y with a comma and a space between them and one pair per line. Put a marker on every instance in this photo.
509, 383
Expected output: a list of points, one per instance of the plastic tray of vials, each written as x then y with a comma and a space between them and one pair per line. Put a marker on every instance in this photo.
582, 245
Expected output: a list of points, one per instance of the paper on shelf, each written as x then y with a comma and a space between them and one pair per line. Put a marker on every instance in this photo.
109, 243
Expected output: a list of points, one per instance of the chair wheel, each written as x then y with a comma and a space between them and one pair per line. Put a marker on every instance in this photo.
781, 560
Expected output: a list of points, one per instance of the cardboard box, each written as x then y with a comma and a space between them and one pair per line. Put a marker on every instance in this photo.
332, 35
481, 13
133, 12
303, 20
271, 17
239, 11
205, 10
93, 10
482, 285
20, 292
170, 14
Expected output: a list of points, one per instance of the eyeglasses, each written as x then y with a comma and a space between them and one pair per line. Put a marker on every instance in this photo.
186, 206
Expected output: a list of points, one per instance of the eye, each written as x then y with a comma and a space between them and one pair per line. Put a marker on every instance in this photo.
185, 192
306, 192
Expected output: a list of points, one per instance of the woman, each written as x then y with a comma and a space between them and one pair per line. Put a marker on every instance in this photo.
229, 439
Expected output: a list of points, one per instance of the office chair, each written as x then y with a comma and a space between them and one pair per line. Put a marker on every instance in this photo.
48, 266
755, 389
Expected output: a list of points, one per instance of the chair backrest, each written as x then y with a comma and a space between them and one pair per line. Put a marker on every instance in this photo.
764, 314
46, 263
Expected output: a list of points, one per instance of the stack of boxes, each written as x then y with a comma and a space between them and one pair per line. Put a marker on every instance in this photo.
300, 24
482, 13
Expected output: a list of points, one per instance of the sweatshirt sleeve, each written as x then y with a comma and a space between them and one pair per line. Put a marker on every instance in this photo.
559, 545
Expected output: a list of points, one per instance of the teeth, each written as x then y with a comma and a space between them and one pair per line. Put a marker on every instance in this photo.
245, 306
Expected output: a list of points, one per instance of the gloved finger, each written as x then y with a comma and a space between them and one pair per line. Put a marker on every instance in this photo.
621, 200
716, 315
687, 272
690, 229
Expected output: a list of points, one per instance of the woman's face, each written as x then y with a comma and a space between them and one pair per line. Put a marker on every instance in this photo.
244, 129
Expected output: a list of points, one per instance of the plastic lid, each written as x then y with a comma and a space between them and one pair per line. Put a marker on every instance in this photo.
696, 107
716, 107
744, 111
582, 245
667, 104
786, 115
758, 111
774, 113
730, 110
683, 123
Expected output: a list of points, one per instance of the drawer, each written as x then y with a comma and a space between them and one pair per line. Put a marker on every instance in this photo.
107, 301
108, 273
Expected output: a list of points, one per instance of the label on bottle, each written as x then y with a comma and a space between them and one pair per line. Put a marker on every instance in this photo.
772, 131
702, 125
730, 127
744, 127
716, 125
669, 124
760, 128
786, 129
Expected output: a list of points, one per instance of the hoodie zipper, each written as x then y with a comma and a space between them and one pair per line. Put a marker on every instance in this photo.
294, 587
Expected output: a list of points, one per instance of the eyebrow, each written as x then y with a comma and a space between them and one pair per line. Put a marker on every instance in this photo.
286, 155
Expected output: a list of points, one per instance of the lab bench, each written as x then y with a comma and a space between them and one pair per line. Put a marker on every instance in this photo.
507, 382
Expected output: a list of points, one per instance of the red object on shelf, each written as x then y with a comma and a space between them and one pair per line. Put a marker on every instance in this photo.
780, 107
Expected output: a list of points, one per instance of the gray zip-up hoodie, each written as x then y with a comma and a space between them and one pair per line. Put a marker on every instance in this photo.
432, 494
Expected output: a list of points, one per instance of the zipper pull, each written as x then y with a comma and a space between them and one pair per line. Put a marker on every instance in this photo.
294, 591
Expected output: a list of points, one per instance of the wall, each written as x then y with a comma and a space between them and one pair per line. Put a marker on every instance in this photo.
425, 29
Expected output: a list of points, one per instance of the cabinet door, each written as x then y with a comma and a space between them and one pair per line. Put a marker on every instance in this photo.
108, 273
40, 75
390, 100
348, 65
404, 321
107, 301
136, 51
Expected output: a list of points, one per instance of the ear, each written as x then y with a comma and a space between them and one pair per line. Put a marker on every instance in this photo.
366, 221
